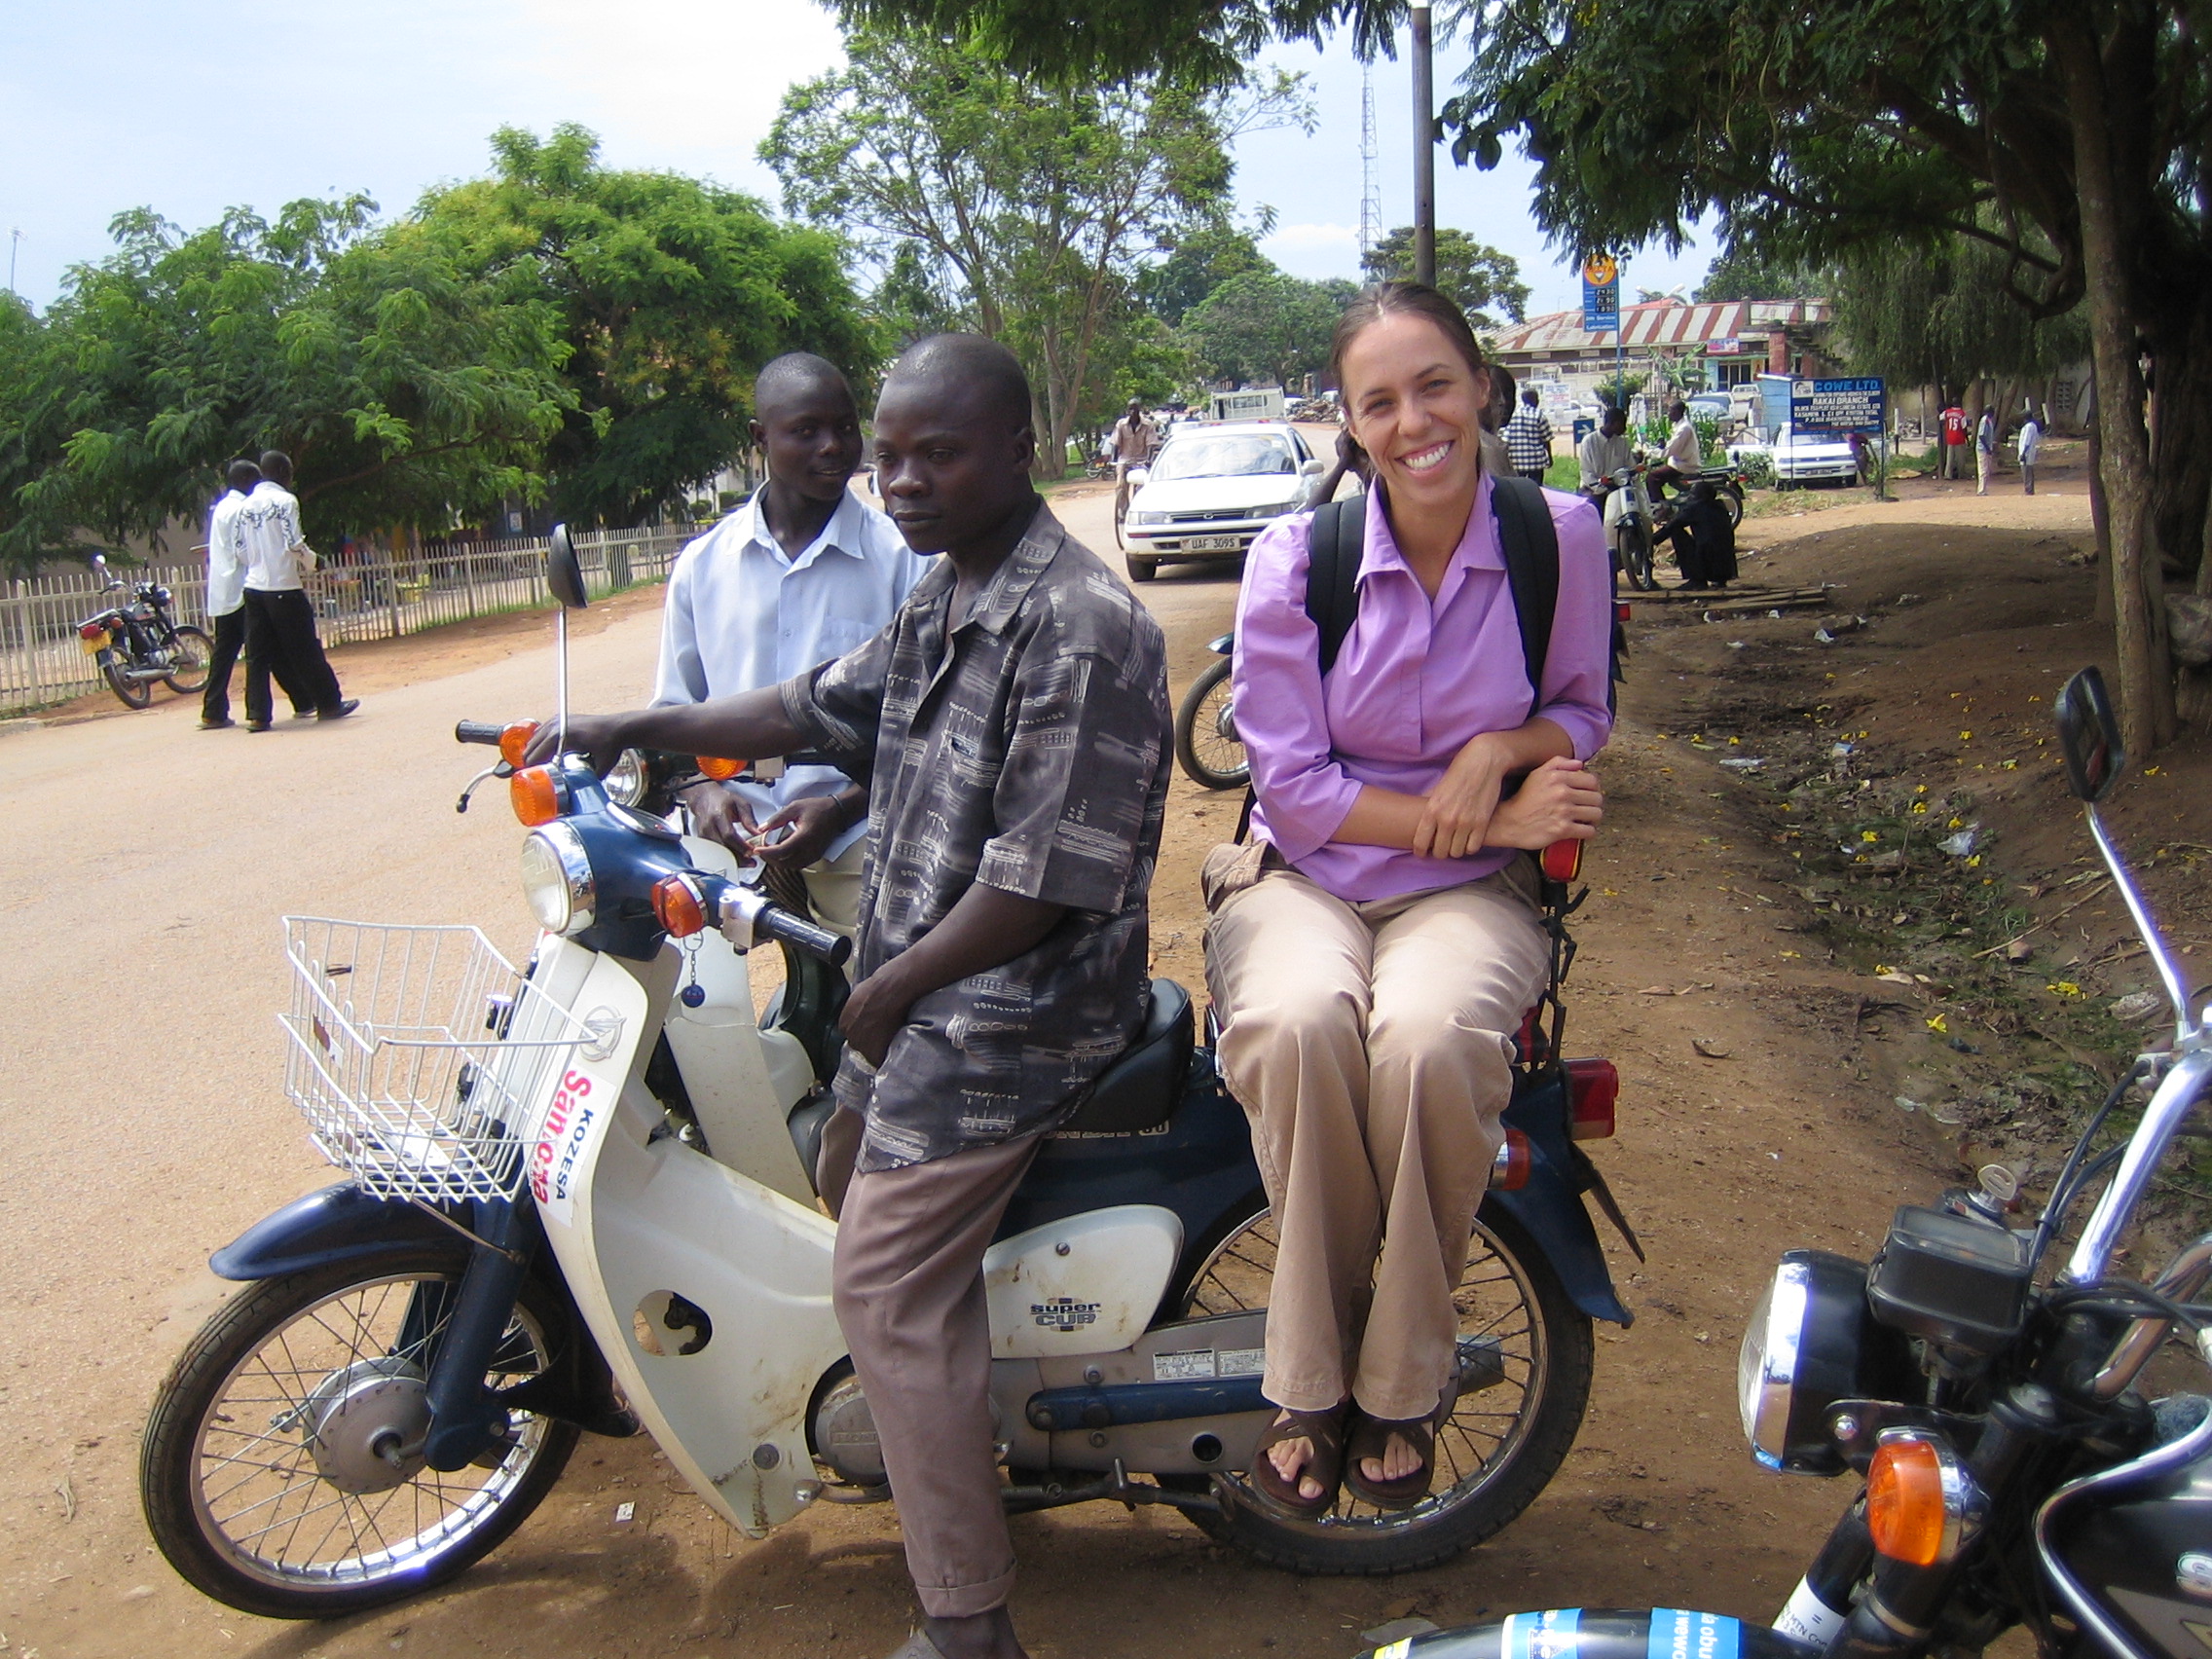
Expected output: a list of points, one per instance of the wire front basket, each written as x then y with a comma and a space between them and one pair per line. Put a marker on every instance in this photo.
417, 1055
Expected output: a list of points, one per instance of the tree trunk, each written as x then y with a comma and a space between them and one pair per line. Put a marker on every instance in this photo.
2181, 464
2146, 679
2100, 514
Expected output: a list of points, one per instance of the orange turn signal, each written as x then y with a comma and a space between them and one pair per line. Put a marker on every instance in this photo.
1509, 1172
536, 795
1562, 859
722, 771
514, 742
679, 907
1906, 1508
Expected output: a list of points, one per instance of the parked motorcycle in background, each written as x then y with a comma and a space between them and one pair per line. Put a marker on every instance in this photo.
137, 643
2022, 1462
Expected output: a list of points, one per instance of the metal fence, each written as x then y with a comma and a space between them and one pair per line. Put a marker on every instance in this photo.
41, 662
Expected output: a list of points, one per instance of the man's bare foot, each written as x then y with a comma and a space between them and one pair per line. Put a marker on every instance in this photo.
979, 1636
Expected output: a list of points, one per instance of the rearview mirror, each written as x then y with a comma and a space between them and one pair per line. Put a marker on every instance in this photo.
2089, 735
1311, 469
564, 573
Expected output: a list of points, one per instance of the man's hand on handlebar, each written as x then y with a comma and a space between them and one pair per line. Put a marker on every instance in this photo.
597, 738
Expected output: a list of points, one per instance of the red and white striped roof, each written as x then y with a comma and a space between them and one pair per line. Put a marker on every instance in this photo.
1663, 323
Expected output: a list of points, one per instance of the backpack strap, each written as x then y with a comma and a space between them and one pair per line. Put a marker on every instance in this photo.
1335, 546
1529, 541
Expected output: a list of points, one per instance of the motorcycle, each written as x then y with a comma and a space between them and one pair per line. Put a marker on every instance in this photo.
2012, 1471
1627, 510
1207, 745
579, 1198
137, 643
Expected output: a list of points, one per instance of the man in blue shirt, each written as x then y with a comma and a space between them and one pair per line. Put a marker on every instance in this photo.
803, 573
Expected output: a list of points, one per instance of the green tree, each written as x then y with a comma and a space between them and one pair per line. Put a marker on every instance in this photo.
670, 294
1196, 266
1476, 276
1044, 203
405, 390
1744, 272
1265, 327
914, 301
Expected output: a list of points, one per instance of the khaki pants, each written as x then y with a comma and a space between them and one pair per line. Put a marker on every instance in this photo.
834, 888
909, 1287
1370, 1046
1985, 467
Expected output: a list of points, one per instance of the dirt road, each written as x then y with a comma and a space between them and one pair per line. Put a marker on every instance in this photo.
141, 1125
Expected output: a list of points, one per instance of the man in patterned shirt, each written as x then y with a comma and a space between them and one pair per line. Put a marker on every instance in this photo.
1011, 725
1528, 439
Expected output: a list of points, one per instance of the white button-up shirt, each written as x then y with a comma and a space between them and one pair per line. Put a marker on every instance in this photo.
269, 541
742, 614
226, 571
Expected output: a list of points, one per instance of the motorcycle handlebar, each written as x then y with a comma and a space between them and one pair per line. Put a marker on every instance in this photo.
478, 731
788, 928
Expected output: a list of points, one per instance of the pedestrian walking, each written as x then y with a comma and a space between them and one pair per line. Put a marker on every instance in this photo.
280, 618
1528, 439
226, 606
1953, 423
2031, 448
1985, 450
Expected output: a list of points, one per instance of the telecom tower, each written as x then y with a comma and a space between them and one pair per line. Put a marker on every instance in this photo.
1370, 186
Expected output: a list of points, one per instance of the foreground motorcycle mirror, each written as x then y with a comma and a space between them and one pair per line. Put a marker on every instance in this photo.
564, 571
2089, 735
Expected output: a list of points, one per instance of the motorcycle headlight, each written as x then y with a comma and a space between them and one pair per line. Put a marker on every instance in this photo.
557, 879
1811, 1342
626, 783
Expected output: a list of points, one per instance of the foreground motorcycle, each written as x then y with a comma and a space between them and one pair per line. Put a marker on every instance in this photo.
2016, 1466
580, 1200
137, 643
1207, 745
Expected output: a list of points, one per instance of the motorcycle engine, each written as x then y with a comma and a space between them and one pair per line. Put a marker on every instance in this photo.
844, 1435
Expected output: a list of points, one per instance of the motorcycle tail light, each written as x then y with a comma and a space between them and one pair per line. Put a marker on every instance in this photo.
1509, 1170
1917, 1497
722, 771
1562, 859
538, 795
1622, 612
679, 905
91, 631
1593, 1091
514, 742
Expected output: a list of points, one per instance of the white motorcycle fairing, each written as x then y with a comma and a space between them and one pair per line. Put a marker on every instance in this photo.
637, 1219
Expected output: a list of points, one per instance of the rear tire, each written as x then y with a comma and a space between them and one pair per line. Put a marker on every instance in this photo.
129, 690
230, 1474
1635, 545
1499, 1448
1732, 504
1205, 732
190, 651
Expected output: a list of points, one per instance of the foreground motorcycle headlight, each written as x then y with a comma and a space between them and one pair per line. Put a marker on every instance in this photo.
1811, 1342
626, 782
557, 879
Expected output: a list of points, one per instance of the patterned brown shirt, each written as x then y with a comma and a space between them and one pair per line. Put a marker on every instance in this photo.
1029, 751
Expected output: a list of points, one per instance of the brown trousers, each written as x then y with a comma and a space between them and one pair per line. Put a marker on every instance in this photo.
908, 1288
1370, 1043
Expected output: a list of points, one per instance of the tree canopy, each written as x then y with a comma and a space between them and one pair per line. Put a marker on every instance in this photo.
1265, 327
1478, 277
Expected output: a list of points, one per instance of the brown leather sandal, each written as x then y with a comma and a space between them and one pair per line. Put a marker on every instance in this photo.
1371, 1437
1324, 1433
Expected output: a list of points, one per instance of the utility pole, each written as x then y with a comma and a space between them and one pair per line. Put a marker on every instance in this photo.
14, 239
1424, 148
1370, 185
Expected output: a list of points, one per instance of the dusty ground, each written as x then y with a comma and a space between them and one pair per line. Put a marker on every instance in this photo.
140, 1123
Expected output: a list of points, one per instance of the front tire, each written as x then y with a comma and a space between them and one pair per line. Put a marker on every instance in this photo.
1499, 1448
251, 1480
191, 650
131, 692
1636, 557
1141, 569
1205, 732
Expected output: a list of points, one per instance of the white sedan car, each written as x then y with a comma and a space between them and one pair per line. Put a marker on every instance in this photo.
1212, 489
1804, 458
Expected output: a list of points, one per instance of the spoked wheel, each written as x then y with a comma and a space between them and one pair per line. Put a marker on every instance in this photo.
115, 668
1635, 548
279, 1473
1525, 1364
1205, 732
190, 652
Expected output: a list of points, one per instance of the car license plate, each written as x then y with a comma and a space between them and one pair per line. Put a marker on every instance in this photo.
1212, 544
93, 645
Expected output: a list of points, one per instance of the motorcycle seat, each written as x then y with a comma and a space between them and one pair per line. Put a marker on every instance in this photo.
1139, 1090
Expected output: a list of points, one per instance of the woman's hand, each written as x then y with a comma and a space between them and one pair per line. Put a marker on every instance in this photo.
1455, 815
1559, 801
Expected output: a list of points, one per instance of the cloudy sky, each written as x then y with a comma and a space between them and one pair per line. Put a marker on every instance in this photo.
192, 106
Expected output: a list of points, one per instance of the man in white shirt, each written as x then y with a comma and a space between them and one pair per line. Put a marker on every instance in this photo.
1604, 453
280, 618
1684, 458
2031, 447
803, 573
225, 604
